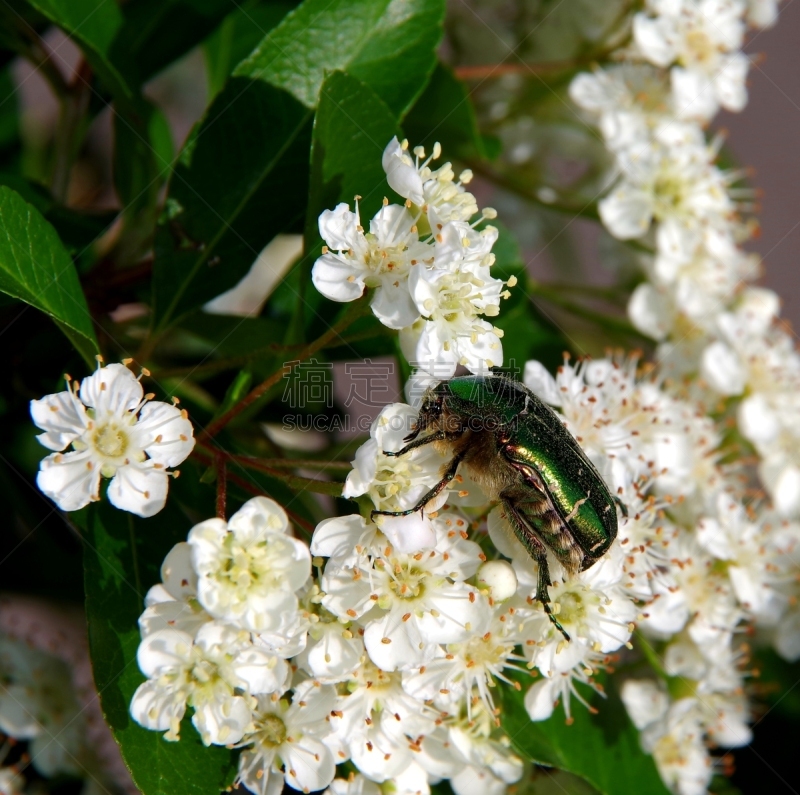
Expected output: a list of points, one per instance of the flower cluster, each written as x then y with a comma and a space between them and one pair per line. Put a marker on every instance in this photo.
703, 557
697, 302
427, 262
38, 706
116, 432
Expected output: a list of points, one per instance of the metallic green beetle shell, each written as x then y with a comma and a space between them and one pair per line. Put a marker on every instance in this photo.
537, 438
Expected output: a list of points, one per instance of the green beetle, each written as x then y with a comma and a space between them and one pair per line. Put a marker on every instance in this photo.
518, 450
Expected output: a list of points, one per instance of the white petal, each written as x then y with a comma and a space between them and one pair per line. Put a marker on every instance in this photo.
155, 707
401, 174
459, 617
164, 650
172, 615
261, 671
258, 516
336, 537
70, 480
63, 418
177, 572
339, 227
163, 433
338, 279
222, 722
626, 212
787, 637
432, 356
471, 780
410, 534
392, 304
786, 491
540, 700
722, 369
309, 765
757, 421
653, 37
693, 94
541, 383
730, 82
113, 389
650, 311
139, 488
645, 701
394, 644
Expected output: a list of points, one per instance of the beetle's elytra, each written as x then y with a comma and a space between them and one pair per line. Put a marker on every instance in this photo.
518, 450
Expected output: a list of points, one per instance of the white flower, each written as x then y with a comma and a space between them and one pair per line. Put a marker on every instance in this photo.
453, 302
250, 568
435, 191
375, 716
762, 13
381, 259
752, 562
702, 37
628, 99
38, 705
173, 603
412, 602
671, 179
397, 483
287, 742
115, 432
469, 668
208, 673
672, 733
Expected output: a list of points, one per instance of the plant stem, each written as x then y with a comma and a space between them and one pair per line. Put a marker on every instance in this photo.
74, 105
523, 191
354, 311
616, 324
222, 486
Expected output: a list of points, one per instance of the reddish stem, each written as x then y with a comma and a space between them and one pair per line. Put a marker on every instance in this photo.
222, 486
353, 312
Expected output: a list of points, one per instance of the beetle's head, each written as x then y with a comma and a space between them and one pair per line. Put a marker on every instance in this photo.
430, 412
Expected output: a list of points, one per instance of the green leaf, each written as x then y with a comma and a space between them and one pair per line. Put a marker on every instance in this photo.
602, 748
76, 229
387, 45
243, 175
122, 557
154, 33
236, 38
351, 130
35, 267
444, 113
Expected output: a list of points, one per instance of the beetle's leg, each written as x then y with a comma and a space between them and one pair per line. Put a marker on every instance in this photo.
437, 436
452, 469
537, 551
622, 506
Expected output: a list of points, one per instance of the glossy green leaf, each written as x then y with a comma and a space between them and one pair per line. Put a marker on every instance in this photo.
76, 229
351, 130
237, 36
243, 174
122, 558
387, 44
154, 33
602, 748
444, 113
35, 267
